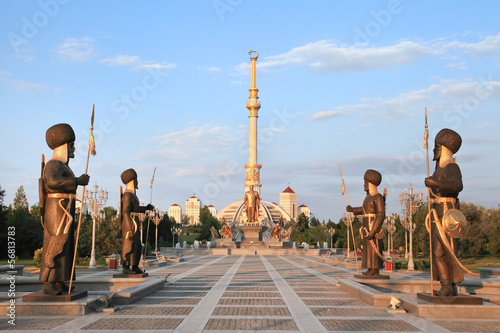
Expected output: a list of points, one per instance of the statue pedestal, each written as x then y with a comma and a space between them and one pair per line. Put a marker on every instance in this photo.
251, 233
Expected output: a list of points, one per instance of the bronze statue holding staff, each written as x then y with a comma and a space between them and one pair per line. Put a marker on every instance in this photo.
132, 245
58, 186
373, 211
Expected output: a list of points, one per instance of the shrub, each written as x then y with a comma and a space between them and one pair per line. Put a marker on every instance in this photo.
470, 261
37, 258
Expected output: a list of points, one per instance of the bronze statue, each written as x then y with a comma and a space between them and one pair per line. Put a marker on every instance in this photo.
226, 232
445, 184
252, 203
276, 232
373, 211
57, 189
130, 208
214, 232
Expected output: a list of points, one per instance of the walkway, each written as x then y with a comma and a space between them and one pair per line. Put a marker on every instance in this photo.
247, 294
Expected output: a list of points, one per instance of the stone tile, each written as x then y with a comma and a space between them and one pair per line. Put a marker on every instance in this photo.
154, 311
367, 325
472, 326
334, 302
349, 312
251, 294
38, 324
168, 301
251, 311
250, 301
251, 325
122, 324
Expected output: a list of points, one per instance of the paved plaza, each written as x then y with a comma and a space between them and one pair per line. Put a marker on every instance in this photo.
250, 293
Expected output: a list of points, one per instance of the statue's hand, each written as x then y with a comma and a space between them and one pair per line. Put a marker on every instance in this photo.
348, 209
430, 182
370, 237
83, 180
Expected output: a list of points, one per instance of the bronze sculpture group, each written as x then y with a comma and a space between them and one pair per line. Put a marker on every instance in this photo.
58, 186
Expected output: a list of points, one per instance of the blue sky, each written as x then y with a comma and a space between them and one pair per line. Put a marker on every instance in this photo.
342, 84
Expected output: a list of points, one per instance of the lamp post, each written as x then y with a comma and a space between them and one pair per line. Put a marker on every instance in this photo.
95, 199
410, 202
175, 231
347, 222
331, 231
391, 229
158, 216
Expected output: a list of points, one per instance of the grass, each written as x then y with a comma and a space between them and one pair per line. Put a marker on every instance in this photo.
471, 264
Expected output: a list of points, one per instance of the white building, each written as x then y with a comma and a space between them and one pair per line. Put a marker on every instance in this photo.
303, 209
288, 200
193, 210
212, 210
175, 211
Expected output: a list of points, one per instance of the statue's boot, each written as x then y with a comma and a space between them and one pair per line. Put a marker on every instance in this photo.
49, 288
61, 286
373, 272
127, 270
446, 290
368, 272
136, 270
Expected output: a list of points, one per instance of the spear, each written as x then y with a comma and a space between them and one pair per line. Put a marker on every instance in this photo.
92, 151
343, 190
149, 220
426, 146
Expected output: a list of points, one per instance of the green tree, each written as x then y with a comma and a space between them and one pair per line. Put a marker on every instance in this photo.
207, 221
315, 222
494, 236
108, 235
29, 232
3, 225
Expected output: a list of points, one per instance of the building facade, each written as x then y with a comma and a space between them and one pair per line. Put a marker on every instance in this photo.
175, 211
193, 206
288, 200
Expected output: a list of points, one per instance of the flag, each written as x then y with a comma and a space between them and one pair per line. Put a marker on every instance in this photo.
426, 133
91, 136
342, 188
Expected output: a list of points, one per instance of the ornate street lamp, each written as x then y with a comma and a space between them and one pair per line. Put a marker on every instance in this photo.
175, 231
391, 229
410, 202
158, 216
95, 200
347, 222
331, 231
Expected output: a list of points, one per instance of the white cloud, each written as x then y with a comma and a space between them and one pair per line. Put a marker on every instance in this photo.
76, 49
4, 73
440, 96
27, 86
213, 69
155, 66
189, 172
326, 114
487, 46
121, 60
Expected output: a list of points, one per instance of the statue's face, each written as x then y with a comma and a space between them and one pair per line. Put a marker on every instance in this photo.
437, 152
136, 184
251, 187
71, 149
367, 187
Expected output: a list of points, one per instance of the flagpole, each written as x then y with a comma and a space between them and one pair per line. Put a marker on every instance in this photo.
426, 146
92, 151
344, 192
149, 220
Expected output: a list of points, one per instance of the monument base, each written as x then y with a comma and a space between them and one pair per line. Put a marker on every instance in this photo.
372, 277
128, 276
39, 296
450, 300
251, 233
224, 243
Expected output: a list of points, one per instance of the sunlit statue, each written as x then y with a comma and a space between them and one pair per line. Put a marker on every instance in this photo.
373, 211
226, 232
57, 189
252, 203
130, 208
445, 185
276, 232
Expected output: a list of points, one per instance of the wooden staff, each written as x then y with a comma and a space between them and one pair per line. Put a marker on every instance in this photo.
426, 146
344, 192
149, 220
93, 152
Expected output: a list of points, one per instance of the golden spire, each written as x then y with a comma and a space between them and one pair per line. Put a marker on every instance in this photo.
252, 105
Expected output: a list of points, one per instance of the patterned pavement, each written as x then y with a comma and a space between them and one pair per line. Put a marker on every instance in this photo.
249, 294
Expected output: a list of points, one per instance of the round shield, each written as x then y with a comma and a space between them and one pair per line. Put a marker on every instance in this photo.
454, 223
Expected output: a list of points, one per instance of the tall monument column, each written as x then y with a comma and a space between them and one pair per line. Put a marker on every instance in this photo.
253, 106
